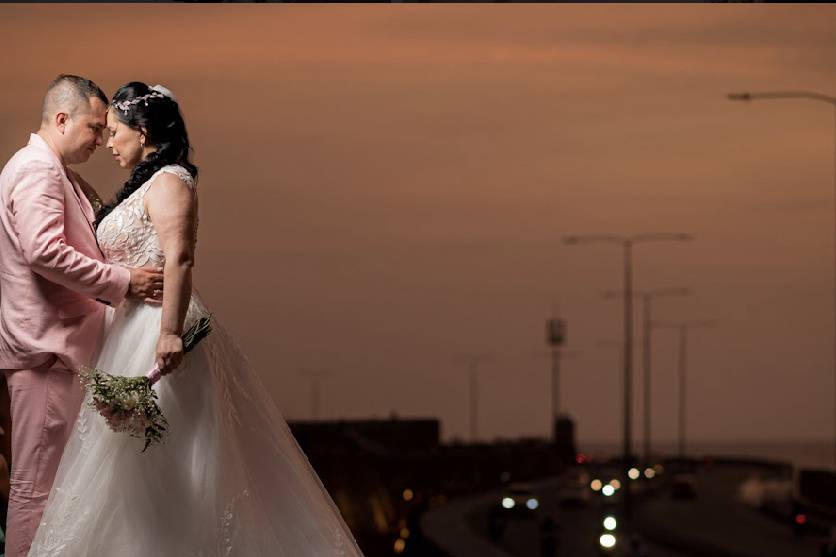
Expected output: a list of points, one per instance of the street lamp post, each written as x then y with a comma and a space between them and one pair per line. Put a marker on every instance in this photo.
831, 100
315, 375
556, 356
556, 337
683, 327
647, 298
474, 400
473, 361
626, 243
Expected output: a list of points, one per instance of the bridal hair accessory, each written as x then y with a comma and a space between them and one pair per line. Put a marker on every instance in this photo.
166, 92
127, 104
157, 92
129, 404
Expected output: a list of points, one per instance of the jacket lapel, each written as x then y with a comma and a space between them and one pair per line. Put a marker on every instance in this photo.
83, 202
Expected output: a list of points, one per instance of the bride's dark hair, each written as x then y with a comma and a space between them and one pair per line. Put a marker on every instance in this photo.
160, 120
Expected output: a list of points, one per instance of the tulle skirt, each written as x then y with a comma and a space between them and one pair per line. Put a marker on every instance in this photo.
230, 480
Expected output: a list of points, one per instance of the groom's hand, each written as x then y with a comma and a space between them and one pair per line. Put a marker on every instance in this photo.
169, 352
146, 283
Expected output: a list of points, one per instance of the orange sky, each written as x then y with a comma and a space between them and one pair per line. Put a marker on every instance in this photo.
385, 188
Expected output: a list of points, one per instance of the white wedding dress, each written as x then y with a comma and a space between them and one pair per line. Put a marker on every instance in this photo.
229, 481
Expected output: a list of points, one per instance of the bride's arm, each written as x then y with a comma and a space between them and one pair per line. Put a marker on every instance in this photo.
172, 208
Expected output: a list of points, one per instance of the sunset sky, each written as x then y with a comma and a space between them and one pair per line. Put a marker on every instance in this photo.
384, 191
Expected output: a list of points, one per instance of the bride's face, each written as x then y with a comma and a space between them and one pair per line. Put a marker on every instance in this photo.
124, 142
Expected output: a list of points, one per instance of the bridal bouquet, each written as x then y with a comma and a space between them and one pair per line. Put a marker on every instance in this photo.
129, 404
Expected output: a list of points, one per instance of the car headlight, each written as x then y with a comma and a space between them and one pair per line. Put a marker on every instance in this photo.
607, 541
532, 503
508, 503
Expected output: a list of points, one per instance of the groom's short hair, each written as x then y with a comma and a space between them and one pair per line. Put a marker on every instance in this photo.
69, 92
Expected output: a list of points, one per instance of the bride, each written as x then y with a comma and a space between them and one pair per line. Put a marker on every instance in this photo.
230, 479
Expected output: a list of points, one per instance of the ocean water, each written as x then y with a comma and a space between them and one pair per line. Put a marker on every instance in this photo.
817, 454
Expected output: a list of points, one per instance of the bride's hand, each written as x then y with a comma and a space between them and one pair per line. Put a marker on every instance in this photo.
169, 352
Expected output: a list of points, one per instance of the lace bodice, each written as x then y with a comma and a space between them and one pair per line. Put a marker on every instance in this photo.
126, 236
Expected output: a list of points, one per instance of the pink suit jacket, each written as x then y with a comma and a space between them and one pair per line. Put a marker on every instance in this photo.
51, 267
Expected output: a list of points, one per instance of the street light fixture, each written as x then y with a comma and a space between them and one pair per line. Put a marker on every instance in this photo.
626, 243
831, 100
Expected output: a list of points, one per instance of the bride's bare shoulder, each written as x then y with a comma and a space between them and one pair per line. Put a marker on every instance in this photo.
168, 193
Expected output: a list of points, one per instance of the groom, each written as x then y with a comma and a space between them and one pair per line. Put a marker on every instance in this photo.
51, 275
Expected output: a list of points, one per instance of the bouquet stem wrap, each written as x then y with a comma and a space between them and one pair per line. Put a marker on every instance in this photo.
129, 404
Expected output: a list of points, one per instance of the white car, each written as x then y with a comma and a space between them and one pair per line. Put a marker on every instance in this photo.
518, 498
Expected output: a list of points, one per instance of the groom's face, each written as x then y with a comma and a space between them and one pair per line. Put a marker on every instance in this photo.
84, 131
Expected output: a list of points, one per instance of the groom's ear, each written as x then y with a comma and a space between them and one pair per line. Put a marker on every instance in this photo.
61, 119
